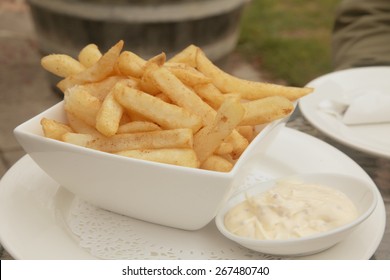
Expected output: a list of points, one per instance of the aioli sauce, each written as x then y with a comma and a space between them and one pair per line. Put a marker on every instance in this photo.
290, 210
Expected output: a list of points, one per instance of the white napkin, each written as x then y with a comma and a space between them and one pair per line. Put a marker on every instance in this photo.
364, 107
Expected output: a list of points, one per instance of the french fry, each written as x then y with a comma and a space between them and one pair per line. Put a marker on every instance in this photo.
78, 139
148, 87
207, 140
124, 119
249, 90
180, 94
217, 163
146, 84
239, 144
247, 131
102, 88
187, 74
175, 138
89, 55
137, 126
210, 94
79, 126
134, 116
62, 65
266, 110
164, 114
224, 149
157, 59
164, 97
187, 56
80, 103
130, 64
188, 99
54, 129
181, 157
109, 115
97, 72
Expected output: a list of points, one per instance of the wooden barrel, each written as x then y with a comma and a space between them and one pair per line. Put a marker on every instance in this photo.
148, 27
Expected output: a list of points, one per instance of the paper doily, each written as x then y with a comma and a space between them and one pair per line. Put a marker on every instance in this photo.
108, 235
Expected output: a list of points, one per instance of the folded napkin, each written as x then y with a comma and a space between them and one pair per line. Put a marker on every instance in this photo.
364, 107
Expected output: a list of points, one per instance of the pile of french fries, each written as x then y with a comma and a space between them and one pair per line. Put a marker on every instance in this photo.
183, 111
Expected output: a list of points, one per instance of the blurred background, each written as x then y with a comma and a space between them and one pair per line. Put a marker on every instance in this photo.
286, 42
289, 40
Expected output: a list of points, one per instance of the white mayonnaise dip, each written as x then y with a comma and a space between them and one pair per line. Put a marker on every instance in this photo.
290, 210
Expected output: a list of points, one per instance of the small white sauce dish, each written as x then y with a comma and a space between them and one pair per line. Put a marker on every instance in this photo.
360, 192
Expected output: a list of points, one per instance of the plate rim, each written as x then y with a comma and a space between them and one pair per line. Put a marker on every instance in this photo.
305, 106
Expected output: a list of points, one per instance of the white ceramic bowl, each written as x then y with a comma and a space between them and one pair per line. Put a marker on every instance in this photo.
179, 197
361, 193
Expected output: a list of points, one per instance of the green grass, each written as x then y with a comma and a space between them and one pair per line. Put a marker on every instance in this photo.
289, 39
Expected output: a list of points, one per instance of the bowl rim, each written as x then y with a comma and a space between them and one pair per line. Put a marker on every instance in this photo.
271, 242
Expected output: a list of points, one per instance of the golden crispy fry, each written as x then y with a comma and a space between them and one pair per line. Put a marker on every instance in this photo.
78, 139
239, 144
130, 64
97, 72
181, 157
62, 65
102, 88
175, 138
146, 84
217, 163
188, 99
157, 59
80, 103
134, 116
109, 115
89, 55
54, 129
81, 127
137, 126
186, 56
164, 97
248, 89
247, 131
125, 119
266, 110
187, 74
224, 149
180, 94
164, 114
207, 140
210, 94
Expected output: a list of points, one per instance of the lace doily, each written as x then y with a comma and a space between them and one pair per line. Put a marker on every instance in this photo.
108, 235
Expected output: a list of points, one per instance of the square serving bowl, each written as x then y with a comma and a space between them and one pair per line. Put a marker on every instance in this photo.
179, 197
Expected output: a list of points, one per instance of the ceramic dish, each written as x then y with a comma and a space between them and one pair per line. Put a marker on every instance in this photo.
372, 139
360, 192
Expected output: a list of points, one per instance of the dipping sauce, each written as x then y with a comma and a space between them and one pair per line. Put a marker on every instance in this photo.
290, 210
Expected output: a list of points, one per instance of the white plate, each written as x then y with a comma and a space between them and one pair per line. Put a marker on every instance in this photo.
372, 139
32, 207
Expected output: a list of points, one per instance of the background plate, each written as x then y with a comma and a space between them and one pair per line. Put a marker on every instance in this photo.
373, 139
